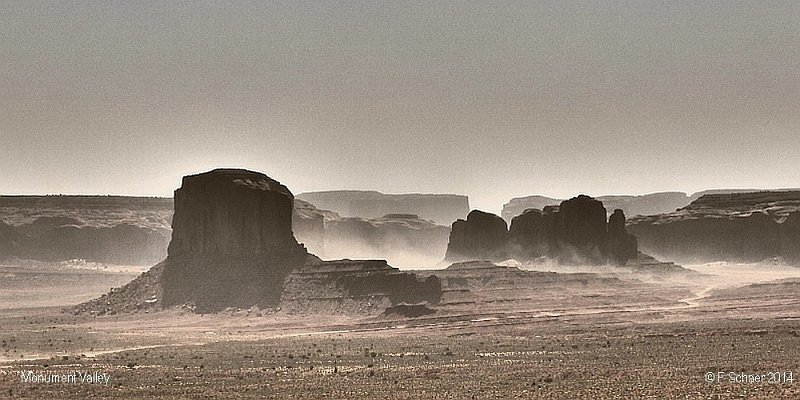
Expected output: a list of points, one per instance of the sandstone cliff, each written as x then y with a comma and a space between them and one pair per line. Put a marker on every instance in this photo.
232, 243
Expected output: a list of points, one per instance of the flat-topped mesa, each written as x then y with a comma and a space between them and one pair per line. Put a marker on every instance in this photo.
648, 204
232, 212
738, 227
440, 208
232, 242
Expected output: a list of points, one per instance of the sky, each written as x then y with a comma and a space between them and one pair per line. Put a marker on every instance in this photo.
489, 99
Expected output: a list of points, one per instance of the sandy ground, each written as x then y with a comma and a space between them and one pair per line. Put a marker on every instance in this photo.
733, 332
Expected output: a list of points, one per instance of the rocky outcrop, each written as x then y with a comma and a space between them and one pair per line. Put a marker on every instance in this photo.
408, 311
648, 204
232, 243
440, 208
355, 286
582, 230
533, 233
481, 236
737, 227
622, 246
481, 286
232, 212
575, 232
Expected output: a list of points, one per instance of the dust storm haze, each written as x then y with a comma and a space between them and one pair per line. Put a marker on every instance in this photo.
399, 200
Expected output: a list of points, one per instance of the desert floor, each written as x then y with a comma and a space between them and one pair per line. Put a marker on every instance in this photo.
708, 337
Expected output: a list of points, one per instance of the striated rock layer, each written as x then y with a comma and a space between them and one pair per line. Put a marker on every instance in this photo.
355, 286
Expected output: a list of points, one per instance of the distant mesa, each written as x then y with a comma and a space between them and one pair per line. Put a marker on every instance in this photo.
137, 230
574, 232
403, 238
648, 204
410, 217
519, 205
107, 229
654, 203
734, 227
442, 209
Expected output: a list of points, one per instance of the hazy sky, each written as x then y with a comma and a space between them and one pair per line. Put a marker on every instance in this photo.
489, 99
